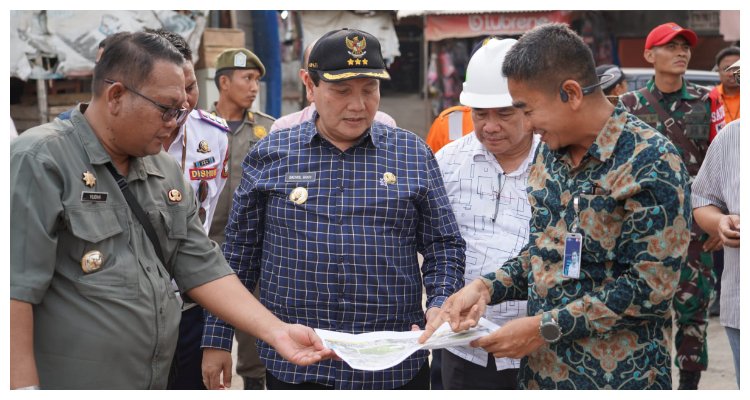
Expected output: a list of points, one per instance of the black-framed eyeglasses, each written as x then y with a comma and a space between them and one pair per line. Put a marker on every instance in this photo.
168, 113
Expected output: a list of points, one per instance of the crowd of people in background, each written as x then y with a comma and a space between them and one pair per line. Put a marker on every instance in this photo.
148, 235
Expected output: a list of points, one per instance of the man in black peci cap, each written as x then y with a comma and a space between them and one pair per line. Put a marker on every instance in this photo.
328, 220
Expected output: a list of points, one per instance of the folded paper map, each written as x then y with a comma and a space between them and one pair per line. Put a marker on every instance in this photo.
374, 351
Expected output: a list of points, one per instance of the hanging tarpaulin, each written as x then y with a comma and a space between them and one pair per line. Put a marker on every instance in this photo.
439, 27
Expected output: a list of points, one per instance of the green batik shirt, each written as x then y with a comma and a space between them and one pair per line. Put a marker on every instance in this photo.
690, 109
635, 216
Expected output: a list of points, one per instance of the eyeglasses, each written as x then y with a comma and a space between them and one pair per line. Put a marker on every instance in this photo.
736, 75
201, 194
168, 113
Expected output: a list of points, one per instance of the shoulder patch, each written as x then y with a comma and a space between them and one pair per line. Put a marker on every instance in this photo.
214, 120
262, 114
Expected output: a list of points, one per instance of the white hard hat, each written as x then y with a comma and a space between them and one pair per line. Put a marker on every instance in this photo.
485, 85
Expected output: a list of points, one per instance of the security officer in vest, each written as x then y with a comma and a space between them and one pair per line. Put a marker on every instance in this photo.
238, 74
101, 220
682, 111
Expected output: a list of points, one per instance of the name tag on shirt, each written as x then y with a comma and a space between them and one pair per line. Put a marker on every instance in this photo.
99, 197
572, 258
300, 177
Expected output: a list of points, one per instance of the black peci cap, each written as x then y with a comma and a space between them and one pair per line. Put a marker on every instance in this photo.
347, 54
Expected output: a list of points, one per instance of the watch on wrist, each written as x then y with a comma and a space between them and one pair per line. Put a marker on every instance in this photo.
549, 330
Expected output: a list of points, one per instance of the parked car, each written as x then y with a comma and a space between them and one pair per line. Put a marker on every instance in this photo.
638, 77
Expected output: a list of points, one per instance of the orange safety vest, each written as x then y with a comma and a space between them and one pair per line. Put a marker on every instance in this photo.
451, 124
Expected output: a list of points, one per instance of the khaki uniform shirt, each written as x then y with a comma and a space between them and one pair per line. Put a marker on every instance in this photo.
255, 126
115, 327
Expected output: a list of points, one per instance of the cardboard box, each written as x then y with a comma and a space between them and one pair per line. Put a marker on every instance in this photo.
216, 40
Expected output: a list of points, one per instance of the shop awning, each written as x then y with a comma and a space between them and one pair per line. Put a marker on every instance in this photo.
444, 26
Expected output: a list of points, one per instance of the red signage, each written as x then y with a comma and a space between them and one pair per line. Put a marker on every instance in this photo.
439, 27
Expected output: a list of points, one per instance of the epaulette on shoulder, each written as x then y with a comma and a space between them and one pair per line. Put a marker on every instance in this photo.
265, 115
214, 120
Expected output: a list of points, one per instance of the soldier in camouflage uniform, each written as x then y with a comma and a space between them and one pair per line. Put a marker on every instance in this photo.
238, 72
682, 111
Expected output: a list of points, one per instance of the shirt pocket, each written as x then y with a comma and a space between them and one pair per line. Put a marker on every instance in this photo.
100, 230
170, 225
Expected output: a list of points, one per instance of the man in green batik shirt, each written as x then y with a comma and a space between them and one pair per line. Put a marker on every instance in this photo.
603, 185
682, 111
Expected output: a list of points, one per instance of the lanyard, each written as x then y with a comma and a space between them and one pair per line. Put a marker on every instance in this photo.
574, 226
184, 149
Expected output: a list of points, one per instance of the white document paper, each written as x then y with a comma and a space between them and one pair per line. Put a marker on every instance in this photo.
374, 351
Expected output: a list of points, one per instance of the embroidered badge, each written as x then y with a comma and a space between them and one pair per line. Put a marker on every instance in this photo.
260, 132
356, 46
240, 60
199, 174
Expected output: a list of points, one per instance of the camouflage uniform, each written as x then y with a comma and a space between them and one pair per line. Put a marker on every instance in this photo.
690, 110
255, 126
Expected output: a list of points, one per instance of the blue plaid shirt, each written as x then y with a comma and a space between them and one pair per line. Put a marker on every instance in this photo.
346, 258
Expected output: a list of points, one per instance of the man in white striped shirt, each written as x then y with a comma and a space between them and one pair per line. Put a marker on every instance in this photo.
716, 208
485, 175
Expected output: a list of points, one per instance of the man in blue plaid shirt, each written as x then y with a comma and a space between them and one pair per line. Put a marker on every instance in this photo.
329, 218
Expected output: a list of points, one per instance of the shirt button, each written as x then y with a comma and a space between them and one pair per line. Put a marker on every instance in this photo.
148, 269
341, 259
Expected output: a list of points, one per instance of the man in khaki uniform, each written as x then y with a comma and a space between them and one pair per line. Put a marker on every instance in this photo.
92, 253
238, 73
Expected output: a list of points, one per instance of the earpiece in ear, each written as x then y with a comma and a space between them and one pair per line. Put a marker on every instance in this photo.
563, 96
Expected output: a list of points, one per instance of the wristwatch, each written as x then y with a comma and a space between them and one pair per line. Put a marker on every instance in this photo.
549, 330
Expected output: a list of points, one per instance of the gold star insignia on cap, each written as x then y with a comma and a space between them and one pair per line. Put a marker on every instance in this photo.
89, 179
358, 61
350, 61
364, 61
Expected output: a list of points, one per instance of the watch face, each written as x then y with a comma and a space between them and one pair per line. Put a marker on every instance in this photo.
550, 332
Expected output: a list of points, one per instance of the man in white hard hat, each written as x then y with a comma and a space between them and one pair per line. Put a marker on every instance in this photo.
485, 174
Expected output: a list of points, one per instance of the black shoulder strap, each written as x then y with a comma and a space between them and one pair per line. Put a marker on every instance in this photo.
138, 211
674, 131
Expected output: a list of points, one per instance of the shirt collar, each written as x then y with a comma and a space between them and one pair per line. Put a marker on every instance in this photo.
684, 93
605, 142
376, 135
140, 166
478, 150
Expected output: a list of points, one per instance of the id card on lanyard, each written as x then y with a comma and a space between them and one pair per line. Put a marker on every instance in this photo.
573, 247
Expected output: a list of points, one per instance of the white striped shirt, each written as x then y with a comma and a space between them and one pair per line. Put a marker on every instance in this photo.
718, 184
